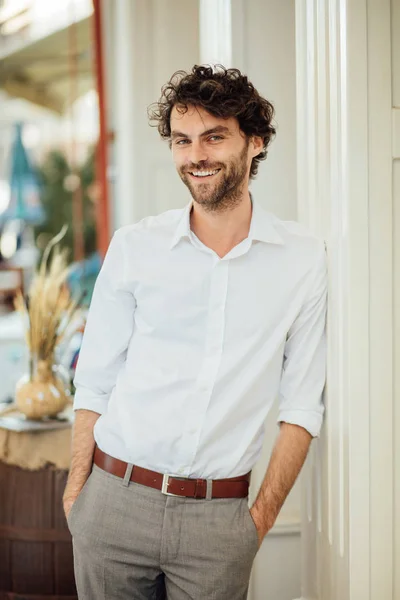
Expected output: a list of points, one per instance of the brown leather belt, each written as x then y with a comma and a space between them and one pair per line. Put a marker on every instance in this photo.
171, 485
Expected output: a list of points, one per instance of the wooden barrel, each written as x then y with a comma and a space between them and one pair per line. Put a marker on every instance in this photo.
36, 560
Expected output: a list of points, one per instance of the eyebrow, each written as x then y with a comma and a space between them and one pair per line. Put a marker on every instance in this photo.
218, 129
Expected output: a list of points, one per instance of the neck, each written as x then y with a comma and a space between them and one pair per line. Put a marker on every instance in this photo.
227, 227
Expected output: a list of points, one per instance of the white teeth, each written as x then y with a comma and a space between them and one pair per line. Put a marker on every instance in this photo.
204, 173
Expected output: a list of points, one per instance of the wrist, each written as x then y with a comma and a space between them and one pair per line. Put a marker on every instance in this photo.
263, 517
69, 499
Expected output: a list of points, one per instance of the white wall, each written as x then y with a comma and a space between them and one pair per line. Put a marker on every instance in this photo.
269, 61
395, 10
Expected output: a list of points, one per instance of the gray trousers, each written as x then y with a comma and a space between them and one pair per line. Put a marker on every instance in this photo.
133, 542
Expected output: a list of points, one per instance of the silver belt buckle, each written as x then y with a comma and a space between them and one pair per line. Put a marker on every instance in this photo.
165, 483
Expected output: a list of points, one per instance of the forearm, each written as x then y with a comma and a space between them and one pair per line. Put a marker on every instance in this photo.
287, 459
81, 453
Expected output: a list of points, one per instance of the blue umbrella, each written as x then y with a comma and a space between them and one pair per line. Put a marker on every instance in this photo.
24, 186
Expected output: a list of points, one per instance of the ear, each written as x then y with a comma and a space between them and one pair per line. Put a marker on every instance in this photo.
257, 145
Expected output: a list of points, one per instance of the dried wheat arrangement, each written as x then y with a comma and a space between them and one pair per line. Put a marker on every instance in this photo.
47, 312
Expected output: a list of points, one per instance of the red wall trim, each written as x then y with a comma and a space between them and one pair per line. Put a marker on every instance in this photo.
102, 212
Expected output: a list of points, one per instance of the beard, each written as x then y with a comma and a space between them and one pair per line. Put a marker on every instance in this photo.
226, 192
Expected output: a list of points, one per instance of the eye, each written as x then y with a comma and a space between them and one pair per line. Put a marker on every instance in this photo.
215, 137
181, 142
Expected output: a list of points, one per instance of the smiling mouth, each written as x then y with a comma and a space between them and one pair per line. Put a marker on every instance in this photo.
204, 175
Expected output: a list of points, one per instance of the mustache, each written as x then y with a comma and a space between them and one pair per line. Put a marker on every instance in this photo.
199, 167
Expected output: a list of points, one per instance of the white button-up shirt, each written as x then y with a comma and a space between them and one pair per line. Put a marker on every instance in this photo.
185, 352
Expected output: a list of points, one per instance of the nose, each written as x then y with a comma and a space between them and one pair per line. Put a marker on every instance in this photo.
197, 152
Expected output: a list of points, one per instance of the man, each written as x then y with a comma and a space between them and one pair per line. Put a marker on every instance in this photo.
199, 319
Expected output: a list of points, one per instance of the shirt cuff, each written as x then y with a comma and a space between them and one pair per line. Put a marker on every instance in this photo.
308, 419
87, 400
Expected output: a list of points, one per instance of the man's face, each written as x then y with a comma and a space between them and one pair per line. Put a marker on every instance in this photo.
212, 156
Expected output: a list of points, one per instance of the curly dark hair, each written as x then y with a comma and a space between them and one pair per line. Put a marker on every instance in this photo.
223, 93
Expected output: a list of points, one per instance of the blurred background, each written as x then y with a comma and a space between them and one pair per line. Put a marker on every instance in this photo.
49, 130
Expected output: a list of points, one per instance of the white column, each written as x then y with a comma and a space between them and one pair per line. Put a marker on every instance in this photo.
215, 32
126, 208
345, 195
395, 12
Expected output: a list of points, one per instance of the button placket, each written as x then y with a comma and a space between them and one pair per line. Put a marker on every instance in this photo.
213, 350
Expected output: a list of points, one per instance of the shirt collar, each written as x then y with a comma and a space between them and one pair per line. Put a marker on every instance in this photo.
261, 226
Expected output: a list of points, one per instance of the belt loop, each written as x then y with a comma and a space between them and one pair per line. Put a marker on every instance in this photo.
209, 489
128, 474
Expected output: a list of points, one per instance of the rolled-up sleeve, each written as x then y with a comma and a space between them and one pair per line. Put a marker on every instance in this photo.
304, 365
107, 332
